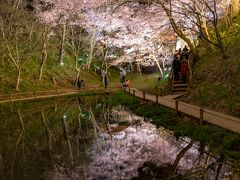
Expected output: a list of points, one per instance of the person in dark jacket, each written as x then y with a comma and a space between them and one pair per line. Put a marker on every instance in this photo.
80, 83
176, 66
185, 53
105, 81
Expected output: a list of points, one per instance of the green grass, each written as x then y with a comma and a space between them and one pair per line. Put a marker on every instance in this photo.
215, 83
148, 83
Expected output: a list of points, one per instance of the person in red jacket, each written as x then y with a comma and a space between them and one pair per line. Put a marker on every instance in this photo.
184, 71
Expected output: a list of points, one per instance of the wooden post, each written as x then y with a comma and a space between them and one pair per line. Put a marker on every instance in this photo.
10, 97
176, 106
161, 92
134, 93
156, 98
143, 95
201, 116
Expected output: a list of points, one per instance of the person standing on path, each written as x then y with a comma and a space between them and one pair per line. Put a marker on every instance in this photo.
122, 75
176, 66
105, 81
79, 83
185, 53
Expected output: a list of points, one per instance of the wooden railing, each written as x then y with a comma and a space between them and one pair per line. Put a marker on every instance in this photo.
203, 114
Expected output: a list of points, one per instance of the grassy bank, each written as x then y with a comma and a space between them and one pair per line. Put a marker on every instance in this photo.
215, 82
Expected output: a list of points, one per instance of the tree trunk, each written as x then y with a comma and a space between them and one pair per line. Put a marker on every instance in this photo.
204, 24
93, 42
65, 129
44, 51
41, 71
175, 27
43, 59
62, 48
78, 73
180, 155
18, 79
219, 167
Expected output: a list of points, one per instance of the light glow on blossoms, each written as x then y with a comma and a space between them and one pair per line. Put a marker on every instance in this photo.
131, 25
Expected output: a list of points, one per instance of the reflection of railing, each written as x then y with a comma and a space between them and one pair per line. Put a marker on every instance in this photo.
203, 114
12, 97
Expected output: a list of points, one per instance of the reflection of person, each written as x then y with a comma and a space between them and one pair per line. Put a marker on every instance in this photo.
81, 101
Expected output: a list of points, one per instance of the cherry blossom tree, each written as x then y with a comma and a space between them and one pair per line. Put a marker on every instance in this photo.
46, 33
133, 24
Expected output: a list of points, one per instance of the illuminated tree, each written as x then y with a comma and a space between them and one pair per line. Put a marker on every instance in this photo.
16, 44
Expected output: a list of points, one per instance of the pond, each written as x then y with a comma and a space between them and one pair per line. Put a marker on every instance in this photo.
85, 138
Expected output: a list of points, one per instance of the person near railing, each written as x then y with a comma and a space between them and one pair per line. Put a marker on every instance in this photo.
184, 70
126, 83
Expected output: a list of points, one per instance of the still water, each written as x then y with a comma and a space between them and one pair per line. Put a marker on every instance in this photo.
85, 138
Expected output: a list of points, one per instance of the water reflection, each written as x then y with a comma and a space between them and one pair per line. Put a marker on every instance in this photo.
85, 138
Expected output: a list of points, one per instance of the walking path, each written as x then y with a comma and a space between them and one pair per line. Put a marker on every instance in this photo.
213, 117
52, 93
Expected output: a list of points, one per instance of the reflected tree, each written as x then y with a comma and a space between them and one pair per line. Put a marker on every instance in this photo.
19, 139
66, 135
105, 114
49, 135
180, 156
96, 128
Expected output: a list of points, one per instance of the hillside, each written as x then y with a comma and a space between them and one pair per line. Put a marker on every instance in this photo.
30, 54
216, 80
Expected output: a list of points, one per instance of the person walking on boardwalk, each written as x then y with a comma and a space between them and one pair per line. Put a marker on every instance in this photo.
105, 80
184, 71
176, 66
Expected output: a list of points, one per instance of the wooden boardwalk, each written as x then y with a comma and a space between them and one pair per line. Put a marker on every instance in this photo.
219, 119
52, 94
